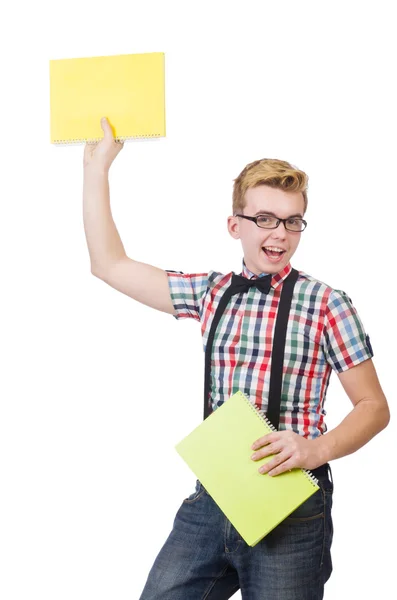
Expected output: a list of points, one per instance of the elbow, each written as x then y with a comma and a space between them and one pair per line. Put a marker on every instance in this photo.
386, 417
96, 273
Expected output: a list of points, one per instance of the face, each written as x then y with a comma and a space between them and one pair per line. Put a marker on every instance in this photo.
264, 199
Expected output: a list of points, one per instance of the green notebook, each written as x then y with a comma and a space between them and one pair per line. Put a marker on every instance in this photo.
219, 453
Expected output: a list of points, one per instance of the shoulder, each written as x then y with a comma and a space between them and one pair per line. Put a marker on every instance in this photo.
328, 294
210, 275
199, 282
216, 277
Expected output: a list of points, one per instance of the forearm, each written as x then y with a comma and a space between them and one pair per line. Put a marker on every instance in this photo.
103, 240
358, 428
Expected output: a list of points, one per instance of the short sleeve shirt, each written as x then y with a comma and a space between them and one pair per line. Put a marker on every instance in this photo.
324, 333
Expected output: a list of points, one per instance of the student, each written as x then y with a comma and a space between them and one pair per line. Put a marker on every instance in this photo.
204, 556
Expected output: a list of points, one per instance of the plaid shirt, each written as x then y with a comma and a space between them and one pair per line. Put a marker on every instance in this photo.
324, 333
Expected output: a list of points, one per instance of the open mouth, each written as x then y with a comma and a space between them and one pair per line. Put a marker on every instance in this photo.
273, 254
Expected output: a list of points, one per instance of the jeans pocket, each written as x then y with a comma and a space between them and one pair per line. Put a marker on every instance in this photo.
196, 495
312, 508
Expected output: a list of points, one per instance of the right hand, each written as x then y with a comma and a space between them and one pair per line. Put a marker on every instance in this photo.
102, 154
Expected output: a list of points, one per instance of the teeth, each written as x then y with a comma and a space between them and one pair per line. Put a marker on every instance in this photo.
274, 248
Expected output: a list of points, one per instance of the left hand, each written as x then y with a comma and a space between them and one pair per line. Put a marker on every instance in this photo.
291, 451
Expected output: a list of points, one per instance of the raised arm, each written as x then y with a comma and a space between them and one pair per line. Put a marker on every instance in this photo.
109, 261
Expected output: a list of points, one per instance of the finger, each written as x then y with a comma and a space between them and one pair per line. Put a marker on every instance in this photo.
88, 150
107, 130
266, 439
278, 459
267, 450
283, 468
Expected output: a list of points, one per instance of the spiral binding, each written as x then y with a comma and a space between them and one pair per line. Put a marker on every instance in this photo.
262, 416
123, 138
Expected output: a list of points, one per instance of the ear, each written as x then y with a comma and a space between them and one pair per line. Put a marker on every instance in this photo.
233, 227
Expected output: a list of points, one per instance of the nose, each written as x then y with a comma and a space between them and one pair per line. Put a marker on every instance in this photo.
280, 232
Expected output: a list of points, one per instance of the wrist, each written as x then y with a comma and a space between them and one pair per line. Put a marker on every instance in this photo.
95, 170
323, 449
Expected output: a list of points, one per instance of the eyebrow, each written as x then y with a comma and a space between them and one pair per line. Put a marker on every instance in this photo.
267, 212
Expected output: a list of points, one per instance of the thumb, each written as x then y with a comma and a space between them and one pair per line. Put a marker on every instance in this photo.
107, 130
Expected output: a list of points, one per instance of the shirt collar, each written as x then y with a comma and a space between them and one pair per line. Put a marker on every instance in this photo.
277, 278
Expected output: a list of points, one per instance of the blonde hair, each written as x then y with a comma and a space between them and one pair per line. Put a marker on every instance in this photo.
272, 172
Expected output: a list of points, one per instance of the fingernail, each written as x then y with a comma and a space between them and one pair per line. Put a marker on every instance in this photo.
253, 456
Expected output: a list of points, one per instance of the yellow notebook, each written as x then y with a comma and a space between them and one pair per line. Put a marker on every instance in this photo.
219, 453
128, 89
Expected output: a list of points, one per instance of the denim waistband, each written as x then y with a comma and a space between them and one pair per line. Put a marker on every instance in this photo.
322, 470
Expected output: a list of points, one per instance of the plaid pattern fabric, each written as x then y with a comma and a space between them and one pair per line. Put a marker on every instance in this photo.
324, 333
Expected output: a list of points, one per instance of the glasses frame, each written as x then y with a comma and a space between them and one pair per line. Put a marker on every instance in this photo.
284, 221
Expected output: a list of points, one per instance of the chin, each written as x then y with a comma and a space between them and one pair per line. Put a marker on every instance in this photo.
269, 266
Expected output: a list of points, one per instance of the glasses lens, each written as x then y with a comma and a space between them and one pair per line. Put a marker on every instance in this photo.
266, 221
269, 222
295, 225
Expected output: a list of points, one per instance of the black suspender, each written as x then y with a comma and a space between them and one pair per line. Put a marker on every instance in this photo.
280, 331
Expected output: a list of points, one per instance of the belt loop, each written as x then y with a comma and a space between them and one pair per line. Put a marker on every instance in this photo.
330, 473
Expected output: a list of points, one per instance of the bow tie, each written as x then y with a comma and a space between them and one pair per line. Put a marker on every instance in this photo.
242, 284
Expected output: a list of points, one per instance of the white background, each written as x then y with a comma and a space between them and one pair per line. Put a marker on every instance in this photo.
96, 389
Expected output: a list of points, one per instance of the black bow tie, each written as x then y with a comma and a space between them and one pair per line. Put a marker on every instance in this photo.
242, 284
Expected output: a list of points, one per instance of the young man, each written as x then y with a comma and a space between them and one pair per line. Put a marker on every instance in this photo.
204, 556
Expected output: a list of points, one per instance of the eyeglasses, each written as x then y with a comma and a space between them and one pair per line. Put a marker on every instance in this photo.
295, 224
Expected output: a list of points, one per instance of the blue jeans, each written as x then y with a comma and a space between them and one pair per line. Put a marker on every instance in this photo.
204, 557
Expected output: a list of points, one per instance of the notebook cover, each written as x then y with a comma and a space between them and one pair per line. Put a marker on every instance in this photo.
219, 453
128, 89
